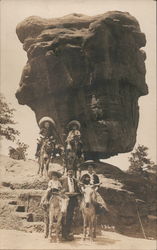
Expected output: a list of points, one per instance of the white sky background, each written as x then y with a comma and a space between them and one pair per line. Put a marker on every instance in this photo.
13, 59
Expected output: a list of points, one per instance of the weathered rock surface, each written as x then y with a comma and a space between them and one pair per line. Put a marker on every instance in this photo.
86, 68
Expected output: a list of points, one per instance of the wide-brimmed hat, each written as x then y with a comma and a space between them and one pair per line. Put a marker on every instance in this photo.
74, 123
46, 119
88, 163
54, 173
70, 169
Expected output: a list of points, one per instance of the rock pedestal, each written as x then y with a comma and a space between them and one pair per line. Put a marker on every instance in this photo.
89, 69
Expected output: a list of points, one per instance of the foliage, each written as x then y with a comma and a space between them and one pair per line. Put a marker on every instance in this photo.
8, 131
139, 161
7, 119
20, 152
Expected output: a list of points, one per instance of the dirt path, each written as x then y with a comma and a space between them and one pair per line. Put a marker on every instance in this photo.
12, 239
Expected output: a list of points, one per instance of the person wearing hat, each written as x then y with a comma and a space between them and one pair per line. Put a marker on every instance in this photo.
54, 185
46, 125
71, 188
74, 134
91, 178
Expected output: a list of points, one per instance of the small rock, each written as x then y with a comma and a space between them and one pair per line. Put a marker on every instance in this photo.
12, 202
20, 209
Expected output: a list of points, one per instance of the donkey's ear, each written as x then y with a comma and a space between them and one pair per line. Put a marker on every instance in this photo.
81, 184
83, 189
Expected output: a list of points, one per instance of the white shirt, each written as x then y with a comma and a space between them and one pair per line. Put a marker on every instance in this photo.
54, 184
71, 185
72, 134
91, 178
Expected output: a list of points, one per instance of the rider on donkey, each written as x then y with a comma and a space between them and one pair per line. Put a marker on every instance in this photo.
54, 186
47, 126
74, 134
92, 179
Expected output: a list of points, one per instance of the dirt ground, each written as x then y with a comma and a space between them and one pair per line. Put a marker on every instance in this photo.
108, 241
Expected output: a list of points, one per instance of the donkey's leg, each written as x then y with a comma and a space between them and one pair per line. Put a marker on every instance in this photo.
41, 169
84, 227
46, 230
94, 227
57, 230
50, 230
42, 166
46, 220
75, 173
58, 227
91, 229
63, 164
50, 226
47, 166
38, 170
74, 167
39, 165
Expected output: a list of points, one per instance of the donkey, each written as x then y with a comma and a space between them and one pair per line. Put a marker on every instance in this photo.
45, 156
73, 155
57, 213
88, 207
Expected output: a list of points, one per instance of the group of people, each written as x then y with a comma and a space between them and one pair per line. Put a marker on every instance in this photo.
48, 132
67, 185
72, 188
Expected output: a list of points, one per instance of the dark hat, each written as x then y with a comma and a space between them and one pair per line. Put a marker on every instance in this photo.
70, 169
54, 173
87, 164
46, 119
74, 123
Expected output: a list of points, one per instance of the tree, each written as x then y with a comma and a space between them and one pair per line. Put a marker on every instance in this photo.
20, 152
139, 161
8, 131
6, 120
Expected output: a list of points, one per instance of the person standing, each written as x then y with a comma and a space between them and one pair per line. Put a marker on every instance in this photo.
71, 188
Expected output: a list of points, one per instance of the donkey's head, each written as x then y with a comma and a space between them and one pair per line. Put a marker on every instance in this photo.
89, 194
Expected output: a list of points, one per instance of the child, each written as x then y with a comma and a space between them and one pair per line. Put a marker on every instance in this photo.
92, 179
54, 185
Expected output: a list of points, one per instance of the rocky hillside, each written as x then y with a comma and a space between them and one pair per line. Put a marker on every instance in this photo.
127, 197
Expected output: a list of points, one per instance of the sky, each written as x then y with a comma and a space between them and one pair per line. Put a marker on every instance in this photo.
13, 58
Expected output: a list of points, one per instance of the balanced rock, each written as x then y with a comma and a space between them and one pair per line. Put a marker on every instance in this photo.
89, 69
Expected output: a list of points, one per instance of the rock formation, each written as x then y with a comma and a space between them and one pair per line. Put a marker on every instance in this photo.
90, 69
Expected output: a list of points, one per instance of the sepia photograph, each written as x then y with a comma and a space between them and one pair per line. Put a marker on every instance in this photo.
78, 125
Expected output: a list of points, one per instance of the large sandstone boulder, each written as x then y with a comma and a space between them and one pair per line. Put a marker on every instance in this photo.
86, 68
